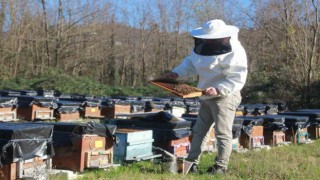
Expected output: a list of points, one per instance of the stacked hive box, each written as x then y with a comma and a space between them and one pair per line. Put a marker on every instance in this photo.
252, 136
81, 146
35, 107
111, 109
178, 146
274, 129
8, 109
67, 110
171, 136
89, 106
314, 121
26, 150
297, 128
133, 145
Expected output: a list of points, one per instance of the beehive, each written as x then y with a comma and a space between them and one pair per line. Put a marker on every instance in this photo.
133, 145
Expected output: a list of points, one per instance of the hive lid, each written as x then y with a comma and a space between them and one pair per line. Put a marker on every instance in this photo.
33, 131
171, 87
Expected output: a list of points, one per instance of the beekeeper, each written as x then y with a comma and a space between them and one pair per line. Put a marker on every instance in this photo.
220, 61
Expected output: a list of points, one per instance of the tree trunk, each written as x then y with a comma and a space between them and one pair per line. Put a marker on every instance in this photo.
47, 36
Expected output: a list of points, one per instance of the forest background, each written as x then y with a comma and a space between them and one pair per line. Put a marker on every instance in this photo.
114, 47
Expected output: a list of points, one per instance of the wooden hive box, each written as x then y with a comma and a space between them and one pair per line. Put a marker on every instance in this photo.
94, 112
178, 147
314, 119
36, 168
172, 136
274, 138
297, 136
91, 108
8, 114
297, 131
90, 151
274, 129
80, 146
112, 111
253, 138
67, 116
35, 108
35, 112
8, 109
26, 150
302, 135
67, 111
314, 131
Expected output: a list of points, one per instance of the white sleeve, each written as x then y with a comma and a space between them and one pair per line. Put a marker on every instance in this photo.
185, 69
235, 72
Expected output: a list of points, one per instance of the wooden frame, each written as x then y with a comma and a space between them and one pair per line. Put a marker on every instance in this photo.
170, 87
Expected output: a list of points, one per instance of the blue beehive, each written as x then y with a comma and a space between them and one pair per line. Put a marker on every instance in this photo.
133, 145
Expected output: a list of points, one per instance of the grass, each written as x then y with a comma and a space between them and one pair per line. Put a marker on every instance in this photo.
286, 162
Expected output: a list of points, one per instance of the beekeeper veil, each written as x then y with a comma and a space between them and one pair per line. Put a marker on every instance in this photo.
215, 38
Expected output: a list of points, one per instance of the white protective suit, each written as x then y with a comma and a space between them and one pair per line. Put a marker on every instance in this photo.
226, 72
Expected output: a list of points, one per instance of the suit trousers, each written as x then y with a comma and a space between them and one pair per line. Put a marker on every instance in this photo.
217, 113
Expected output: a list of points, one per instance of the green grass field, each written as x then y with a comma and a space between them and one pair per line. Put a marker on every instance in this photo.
285, 162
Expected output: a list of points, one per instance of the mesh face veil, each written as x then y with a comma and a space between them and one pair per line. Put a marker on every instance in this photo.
212, 47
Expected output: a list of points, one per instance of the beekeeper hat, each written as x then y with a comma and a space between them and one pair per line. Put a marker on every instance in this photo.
214, 29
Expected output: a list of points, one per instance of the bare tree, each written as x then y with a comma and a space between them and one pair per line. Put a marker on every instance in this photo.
45, 24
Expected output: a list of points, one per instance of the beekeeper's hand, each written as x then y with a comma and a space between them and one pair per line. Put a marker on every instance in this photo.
211, 91
171, 75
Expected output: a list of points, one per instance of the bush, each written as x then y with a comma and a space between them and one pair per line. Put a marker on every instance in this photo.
66, 84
